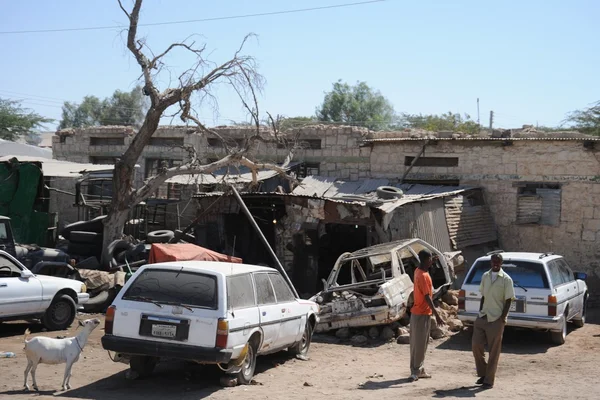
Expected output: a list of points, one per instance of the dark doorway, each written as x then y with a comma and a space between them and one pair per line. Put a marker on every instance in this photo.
244, 242
338, 239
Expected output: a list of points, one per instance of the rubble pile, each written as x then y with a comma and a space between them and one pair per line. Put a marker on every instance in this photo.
447, 308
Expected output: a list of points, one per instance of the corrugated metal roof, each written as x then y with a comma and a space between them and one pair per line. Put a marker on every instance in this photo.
228, 174
468, 225
57, 168
484, 139
314, 186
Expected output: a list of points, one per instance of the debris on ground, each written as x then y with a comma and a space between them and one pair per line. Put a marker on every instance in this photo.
228, 381
359, 339
403, 339
308, 384
387, 333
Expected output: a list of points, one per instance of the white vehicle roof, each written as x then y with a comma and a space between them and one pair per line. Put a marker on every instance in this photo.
523, 256
210, 267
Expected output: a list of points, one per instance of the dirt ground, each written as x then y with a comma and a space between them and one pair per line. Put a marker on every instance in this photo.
529, 368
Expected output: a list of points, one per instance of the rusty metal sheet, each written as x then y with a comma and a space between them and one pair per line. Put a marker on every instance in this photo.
529, 209
314, 186
468, 225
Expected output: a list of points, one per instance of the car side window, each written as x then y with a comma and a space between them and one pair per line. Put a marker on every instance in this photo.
8, 269
264, 289
555, 274
240, 292
565, 271
282, 290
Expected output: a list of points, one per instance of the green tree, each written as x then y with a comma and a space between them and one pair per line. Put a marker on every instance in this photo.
16, 121
586, 120
358, 105
122, 108
445, 122
295, 122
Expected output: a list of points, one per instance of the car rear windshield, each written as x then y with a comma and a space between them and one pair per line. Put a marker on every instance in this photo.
524, 273
174, 287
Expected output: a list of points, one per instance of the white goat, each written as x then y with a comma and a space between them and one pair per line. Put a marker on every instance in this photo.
47, 350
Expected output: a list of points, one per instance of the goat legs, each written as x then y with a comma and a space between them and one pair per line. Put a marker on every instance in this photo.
33, 369
66, 382
27, 369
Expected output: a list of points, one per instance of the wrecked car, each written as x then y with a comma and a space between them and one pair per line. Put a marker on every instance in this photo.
373, 286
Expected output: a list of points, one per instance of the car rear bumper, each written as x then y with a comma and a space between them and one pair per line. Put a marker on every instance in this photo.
524, 321
141, 347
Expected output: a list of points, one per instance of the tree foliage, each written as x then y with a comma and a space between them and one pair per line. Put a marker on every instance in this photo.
586, 120
122, 108
17, 122
446, 122
358, 105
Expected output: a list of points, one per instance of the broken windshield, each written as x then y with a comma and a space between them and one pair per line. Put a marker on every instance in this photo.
364, 269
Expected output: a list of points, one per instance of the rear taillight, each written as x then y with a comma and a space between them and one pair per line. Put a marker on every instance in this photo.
109, 320
461, 300
222, 333
552, 306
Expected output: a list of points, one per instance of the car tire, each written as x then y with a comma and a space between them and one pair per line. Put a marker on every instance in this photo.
244, 377
163, 236
559, 337
301, 348
61, 313
143, 365
389, 192
579, 323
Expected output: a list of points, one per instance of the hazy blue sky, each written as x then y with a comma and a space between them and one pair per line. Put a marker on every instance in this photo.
529, 61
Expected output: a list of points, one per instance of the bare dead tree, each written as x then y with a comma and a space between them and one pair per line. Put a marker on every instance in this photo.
239, 72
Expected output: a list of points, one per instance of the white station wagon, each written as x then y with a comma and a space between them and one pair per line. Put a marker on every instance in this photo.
207, 312
25, 296
548, 293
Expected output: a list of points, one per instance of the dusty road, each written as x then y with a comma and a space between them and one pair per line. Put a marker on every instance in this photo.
529, 368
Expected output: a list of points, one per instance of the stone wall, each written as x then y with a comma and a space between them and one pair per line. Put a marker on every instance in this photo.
500, 169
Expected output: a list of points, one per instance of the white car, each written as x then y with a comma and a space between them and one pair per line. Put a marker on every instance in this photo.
25, 296
206, 312
548, 293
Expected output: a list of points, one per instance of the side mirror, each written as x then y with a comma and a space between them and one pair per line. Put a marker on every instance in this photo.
581, 276
26, 274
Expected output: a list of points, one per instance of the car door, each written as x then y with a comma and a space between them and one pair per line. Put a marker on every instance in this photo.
290, 312
241, 304
559, 286
269, 310
574, 298
18, 296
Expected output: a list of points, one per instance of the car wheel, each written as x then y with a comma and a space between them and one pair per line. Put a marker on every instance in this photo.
61, 313
301, 348
143, 365
579, 323
244, 377
559, 337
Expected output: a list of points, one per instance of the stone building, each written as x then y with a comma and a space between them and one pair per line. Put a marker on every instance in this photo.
543, 190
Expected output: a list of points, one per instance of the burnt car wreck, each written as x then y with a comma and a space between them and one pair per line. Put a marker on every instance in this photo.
374, 286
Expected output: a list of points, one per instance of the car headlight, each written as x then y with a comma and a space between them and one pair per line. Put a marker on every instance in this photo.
83, 288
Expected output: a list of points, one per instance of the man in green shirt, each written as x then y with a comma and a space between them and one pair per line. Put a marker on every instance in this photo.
497, 292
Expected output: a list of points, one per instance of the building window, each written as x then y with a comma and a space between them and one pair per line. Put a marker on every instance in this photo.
166, 142
539, 203
214, 142
432, 161
166, 190
308, 169
103, 160
107, 141
313, 144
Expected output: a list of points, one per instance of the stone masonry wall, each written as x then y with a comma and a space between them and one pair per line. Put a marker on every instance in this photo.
497, 168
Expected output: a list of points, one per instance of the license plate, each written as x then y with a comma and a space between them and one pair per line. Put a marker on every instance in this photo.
518, 305
165, 331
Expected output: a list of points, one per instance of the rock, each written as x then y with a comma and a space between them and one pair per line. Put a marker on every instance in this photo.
374, 332
403, 339
402, 331
395, 325
343, 333
307, 384
450, 297
227, 381
454, 324
359, 339
387, 333
436, 331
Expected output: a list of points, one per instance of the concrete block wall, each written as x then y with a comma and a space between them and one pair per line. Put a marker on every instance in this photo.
498, 168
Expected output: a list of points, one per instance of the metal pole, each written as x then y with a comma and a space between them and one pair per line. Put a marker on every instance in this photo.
412, 164
264, 240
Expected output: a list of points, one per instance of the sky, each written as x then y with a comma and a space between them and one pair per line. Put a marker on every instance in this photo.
531, 62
